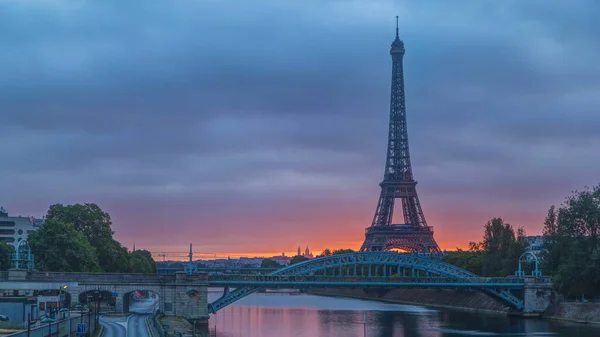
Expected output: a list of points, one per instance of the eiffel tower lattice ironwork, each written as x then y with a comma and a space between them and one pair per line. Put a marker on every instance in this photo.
398, 183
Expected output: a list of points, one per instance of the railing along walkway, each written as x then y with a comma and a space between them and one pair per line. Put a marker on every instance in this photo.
375, 281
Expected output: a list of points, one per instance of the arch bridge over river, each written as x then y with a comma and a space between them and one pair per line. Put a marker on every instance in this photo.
186, 294
382, 270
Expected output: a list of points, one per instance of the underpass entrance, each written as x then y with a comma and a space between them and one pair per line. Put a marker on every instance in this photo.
141, 302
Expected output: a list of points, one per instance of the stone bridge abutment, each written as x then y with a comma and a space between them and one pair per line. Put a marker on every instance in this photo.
181, 294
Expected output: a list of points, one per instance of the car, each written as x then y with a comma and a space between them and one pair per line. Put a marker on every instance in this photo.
4, 318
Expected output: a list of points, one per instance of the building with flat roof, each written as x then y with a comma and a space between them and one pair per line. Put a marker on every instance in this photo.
16, 228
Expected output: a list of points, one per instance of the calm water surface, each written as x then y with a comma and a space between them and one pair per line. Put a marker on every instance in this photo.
301, 315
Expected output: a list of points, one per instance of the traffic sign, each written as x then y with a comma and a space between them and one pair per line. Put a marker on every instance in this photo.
81, 329
115, 294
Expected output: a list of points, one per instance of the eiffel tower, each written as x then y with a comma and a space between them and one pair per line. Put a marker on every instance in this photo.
398, 183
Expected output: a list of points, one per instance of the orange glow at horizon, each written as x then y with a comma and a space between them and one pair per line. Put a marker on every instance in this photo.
320, 230
182, 256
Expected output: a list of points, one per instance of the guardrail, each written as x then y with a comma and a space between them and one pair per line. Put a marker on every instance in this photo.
102, 277
157, 326
276, 280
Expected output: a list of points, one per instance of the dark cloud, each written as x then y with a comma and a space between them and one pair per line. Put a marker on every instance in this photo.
272, 117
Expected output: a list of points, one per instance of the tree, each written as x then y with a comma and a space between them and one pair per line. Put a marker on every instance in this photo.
88, 218
343, 251
571, 252
141, 261
497, 255
114, 258
96, 226
5, 253
471, 260
326, 252
550, 222
298, 259
59, 246
268, 263
502, 248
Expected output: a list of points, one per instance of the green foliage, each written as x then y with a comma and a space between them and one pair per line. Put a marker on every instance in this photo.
268, 263
297, 259
502, 248
498, 253
5, 252
140, 261
326, 252
571, 252
93, 227
90, 219
468, 260
114, 258
343, 251
59, 246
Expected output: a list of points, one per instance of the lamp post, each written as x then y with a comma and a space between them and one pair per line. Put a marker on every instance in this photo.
61, 303
49, 321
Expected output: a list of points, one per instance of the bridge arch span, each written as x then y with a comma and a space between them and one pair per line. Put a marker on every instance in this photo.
423, 263
379, 259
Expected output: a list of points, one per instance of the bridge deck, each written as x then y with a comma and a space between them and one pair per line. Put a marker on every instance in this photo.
358, 281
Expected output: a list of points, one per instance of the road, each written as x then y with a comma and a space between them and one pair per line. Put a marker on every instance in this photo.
133, 326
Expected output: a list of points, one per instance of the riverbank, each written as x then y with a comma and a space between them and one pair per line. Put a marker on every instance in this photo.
574, 312
455, 299
464, 300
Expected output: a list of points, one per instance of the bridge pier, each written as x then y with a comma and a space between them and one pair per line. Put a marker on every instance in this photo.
537, 296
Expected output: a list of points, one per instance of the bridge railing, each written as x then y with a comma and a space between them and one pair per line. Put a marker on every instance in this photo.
100, 277
365, 279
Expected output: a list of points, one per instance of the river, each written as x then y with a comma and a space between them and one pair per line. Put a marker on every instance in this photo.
302, 315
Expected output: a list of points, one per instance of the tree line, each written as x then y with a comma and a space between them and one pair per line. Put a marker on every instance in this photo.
79, 238
570, 252
497, 255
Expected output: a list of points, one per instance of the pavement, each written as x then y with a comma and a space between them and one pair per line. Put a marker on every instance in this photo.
132, 326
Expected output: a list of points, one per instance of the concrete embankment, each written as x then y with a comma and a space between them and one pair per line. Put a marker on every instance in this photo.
441, 298
467, 300
574, 312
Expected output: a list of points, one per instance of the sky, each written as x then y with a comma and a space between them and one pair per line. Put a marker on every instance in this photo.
253, 127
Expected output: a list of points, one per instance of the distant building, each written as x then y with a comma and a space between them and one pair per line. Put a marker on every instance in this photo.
535, 243
282, 260
307, 254
16, 228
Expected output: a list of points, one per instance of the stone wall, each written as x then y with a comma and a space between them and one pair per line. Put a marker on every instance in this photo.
442, 298
180, 294
575, 312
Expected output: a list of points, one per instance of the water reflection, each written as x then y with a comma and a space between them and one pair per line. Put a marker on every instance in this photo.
285, 315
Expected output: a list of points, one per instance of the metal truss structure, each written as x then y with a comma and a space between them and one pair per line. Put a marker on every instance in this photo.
398, 182
22, 258
370, 266
303, 281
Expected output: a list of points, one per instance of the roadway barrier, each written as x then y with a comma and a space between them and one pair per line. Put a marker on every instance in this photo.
58, 328
156, 324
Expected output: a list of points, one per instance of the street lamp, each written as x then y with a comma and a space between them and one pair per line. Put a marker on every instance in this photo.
60, 300
49, 321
